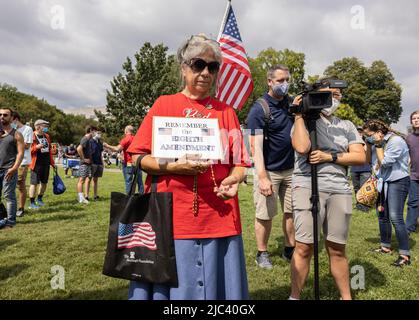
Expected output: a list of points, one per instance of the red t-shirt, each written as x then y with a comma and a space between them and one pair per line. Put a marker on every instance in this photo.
125, 143
216, 217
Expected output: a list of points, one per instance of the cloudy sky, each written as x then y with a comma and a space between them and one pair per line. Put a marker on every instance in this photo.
67, 51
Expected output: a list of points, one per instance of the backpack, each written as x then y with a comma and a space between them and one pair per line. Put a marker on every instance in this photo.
267, 114
58, 184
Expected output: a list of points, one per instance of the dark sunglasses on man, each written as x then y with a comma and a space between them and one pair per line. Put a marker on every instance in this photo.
198, 65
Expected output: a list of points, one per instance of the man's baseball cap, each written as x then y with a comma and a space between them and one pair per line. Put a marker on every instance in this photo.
41, 122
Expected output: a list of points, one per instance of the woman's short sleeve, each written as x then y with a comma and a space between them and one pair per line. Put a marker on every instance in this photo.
143, 139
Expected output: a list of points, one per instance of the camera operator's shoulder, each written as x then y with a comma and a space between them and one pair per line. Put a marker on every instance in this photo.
347, 124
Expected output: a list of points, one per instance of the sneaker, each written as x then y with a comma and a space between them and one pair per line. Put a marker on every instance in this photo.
33, 206
263, 261
20, 213
97, 198
84, 201
87, 198
40, 203
5, 223
401, 261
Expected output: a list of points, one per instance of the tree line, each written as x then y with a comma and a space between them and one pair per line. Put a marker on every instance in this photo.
64, 128
373, 92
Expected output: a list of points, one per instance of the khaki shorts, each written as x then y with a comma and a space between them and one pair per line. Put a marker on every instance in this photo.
267, 207
335, 215
22, 173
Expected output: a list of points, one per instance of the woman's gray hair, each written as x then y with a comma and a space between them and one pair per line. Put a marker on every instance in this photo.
197, 45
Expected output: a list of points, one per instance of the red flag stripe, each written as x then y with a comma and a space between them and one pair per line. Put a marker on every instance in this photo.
145, 237
244, 93
149, 242
231, 42
228, 60
232, 92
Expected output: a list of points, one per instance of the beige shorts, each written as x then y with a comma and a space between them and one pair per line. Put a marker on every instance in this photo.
335, 215
22, 173
267, 207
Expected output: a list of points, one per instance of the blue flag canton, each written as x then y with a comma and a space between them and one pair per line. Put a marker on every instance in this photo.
125, 229
231, 29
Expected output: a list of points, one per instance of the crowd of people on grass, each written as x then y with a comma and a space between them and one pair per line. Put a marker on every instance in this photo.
24, 150
206, 214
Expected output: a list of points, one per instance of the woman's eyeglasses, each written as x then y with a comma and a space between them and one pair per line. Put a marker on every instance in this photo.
198, 65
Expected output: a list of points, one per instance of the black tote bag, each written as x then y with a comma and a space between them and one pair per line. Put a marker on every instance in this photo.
140, 241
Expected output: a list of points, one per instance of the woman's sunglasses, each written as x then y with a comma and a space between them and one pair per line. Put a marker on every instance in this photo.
198, 65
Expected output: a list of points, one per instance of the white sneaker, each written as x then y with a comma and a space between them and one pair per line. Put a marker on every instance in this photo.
84, 201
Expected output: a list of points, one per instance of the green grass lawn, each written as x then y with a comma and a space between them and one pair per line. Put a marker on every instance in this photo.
74, 236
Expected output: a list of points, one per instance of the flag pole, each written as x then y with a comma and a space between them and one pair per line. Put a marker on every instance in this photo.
224, 20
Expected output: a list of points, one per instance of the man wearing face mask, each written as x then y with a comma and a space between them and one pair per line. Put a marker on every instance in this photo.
339, 146
85, 152
97, 163
270, 124
42, 159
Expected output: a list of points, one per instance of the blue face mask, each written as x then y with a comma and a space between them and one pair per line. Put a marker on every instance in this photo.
370, 140
45, 130
281, 89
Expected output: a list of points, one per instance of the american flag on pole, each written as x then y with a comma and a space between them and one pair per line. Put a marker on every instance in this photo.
235, 82
136, 235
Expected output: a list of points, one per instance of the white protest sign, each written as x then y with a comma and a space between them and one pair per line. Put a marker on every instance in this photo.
174, 137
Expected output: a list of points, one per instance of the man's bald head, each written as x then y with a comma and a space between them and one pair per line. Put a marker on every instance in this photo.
129, 129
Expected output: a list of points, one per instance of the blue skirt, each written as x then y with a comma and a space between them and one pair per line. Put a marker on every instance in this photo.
208, 269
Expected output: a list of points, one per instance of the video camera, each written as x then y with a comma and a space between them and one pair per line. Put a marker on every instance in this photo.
314, 100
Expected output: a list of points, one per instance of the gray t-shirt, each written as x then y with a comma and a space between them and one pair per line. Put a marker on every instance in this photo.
332, 136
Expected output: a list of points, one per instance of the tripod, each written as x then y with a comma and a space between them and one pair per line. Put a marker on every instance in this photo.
312, 129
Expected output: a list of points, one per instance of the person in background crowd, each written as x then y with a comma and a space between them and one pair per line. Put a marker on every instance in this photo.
11, 154
85, 152
42, 159
97, 163
70, 152
27, 134
127, 165
413, 202
389, 155
360, 174
273, 156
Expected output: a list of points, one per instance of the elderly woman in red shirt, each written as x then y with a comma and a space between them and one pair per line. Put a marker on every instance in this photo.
206, 216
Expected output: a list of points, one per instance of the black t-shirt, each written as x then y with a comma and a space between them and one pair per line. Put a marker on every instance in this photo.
87, 148
42, 155
277, 150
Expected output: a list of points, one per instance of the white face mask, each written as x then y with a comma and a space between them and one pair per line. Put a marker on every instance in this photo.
329, 111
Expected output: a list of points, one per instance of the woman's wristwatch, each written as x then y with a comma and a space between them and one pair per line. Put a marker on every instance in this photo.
334, 157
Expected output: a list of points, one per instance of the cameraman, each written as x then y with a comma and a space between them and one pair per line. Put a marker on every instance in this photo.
339, 146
